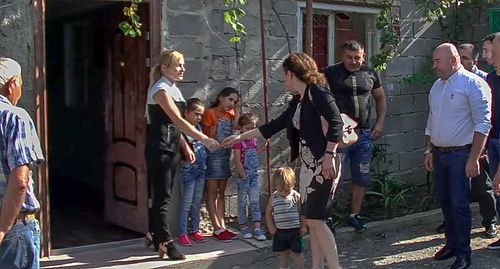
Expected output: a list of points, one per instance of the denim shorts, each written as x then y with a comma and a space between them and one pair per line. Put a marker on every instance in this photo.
218, 164
358, 156
20, 247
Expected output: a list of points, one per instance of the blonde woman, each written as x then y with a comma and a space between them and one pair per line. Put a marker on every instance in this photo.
163, 142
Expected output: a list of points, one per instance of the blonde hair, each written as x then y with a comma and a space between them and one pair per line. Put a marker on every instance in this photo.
304, 68
9, 69
168, 58
284, 179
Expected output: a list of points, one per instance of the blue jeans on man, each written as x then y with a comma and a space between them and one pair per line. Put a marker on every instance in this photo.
494, 159
20, 248
358, 157
453, 188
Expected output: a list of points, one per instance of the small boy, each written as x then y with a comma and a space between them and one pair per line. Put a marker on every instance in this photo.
283, 218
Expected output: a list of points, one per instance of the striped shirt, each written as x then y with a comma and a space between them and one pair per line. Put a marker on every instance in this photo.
286, 210
19, 145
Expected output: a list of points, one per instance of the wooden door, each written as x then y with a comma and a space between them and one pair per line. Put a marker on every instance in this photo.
320, 40
125, 183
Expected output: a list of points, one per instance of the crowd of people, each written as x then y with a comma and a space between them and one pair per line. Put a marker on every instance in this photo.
183, 135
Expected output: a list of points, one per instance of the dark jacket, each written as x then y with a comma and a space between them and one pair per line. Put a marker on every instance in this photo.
310, 122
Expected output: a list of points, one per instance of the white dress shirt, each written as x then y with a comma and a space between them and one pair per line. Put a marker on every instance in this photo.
459, 106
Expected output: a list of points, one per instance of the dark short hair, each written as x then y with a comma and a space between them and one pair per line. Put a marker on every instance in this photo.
352, 45
247, 118
193, 103
469, 46
490, 37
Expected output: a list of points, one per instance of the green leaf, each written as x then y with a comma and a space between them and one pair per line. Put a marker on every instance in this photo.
235, 39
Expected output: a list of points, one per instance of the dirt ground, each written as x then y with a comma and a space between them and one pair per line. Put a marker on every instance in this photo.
406, 246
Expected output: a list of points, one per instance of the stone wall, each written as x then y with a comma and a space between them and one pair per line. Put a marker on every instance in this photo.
16, 42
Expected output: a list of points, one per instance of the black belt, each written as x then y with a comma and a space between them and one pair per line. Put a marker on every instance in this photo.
451, 149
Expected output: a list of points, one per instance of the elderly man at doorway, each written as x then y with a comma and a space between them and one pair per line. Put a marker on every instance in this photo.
19, 149
455, 135
352, 84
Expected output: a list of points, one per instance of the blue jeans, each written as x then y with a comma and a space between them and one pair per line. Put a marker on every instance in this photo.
359, 156
248, 187
453, 188
494, 159
193, 183
20, 248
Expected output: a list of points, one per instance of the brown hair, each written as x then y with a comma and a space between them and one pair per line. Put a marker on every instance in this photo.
167, 58
225, 92
247, 118
193, 103
284, 179
304, 68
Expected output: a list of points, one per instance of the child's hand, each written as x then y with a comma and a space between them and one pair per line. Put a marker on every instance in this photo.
272, 229
242, 175
303, 230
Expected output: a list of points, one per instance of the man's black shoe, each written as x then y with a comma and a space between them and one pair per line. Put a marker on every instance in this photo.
444, 254
490, 231
441, 228
461, 263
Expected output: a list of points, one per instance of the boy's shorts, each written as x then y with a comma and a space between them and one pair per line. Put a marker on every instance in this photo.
287, 239
358, 156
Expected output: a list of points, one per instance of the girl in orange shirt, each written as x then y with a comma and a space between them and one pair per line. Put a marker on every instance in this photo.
218, 122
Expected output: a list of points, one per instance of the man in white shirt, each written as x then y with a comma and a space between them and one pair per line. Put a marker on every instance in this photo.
455, 135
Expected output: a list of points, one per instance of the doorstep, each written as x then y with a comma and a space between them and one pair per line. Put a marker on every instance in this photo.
132, 254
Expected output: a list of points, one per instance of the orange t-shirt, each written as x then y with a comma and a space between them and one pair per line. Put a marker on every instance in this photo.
210, 118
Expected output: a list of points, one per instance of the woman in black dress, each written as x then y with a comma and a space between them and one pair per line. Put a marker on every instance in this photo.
314, 129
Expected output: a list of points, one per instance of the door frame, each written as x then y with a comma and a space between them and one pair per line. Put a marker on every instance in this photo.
41, 109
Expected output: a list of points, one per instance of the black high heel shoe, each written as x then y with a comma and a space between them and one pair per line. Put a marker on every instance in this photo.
148, 240
171, 251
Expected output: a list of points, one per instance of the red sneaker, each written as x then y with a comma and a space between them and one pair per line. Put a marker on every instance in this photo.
223, 237
197, 237
231, 234
184, 240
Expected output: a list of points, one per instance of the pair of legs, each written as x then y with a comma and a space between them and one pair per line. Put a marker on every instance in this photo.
298, 259
323, 245
216, 189
193, 184
249, 187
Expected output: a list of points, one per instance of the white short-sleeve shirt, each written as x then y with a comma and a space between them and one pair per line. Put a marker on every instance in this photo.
163, 84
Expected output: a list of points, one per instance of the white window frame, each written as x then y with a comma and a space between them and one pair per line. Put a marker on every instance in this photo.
372, 35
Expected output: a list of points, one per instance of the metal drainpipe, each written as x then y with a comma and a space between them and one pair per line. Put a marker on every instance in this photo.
264, 85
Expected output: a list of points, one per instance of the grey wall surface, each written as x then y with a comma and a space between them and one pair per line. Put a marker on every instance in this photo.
16, 42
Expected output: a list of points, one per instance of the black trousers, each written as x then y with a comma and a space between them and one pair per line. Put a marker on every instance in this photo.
482, 192
161, 168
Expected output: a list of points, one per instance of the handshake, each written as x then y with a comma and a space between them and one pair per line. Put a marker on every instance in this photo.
228, 142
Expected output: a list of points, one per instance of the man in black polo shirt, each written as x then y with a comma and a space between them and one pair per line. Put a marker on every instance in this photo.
353, 84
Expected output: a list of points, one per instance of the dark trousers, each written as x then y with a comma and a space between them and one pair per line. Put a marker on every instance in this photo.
161, 168
453, 188
482, 192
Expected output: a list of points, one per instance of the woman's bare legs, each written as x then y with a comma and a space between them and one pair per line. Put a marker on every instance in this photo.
212, 193
326, 242
220, 202
317, 254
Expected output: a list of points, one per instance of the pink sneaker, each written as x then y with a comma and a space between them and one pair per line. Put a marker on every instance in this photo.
230, 234
197, 237
184, 240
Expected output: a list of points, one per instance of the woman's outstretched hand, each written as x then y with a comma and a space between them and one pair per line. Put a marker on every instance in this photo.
231, 140
211, 143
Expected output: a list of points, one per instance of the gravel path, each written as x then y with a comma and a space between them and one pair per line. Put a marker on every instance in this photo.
405, 246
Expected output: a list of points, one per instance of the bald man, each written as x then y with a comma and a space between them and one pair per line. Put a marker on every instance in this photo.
455, 135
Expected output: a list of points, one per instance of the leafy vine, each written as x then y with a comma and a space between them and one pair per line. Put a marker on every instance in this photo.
131, 27
390, 35
232, 15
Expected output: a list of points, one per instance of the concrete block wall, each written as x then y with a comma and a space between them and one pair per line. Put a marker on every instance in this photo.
16, 42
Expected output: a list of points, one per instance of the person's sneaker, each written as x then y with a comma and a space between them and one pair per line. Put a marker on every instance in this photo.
197, 237
233, 235
490, 231
184, 240
259, 235
245, 233
356, 222
495, 245
441, 228
222, 237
